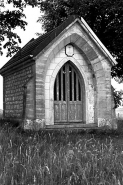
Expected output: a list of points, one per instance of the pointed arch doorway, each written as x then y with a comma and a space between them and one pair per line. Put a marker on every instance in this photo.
69, 95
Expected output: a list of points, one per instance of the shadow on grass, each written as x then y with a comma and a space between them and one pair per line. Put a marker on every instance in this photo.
12, 126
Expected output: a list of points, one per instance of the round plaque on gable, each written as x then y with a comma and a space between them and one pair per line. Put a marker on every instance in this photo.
69, 50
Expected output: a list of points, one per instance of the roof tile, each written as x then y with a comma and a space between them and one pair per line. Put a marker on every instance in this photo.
34, 46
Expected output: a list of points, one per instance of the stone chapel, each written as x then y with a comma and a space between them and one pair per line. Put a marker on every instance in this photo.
61, 79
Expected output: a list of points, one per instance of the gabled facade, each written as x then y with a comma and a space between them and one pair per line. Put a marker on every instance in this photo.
61, 79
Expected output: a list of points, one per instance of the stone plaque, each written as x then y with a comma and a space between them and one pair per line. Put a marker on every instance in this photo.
69, 50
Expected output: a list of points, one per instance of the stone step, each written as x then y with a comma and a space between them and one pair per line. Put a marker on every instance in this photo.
72, 126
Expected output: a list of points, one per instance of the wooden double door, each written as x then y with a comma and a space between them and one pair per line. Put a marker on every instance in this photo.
68, 95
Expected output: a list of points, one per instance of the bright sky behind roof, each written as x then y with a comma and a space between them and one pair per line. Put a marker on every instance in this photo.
33, 27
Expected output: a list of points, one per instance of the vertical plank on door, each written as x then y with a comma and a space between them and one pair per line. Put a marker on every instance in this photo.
79, 90
72, 111
77, 94
62, 84
79, 111
57, 112
67, 88
55, 92
57, 87
73, 87
64, 112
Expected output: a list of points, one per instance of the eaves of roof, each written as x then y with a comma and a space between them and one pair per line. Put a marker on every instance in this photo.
34, 46
97, 41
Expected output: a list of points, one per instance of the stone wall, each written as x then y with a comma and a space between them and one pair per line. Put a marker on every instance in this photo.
29, 100
14, 92
86, 74
44, 102
40, 90
94, 67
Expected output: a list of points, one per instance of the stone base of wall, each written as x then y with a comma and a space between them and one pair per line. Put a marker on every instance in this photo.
109, 123
37, 124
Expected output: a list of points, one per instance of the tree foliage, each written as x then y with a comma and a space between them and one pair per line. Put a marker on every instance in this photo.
9, 20
105, 17
118, 98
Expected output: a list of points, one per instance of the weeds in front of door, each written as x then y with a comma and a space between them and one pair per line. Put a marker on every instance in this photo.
60, 158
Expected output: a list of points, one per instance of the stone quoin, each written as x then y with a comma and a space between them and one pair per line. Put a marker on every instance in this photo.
61, 79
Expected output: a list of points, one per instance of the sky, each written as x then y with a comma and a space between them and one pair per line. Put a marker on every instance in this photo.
32, 28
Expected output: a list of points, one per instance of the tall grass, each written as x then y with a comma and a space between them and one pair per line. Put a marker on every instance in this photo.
60, 158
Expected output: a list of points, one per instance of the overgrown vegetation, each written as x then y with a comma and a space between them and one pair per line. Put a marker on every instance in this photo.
60, 157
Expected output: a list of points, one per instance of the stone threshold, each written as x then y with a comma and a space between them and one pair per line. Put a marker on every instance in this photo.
72, 126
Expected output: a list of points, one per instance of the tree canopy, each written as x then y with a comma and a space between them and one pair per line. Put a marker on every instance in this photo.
105, 17
9, 20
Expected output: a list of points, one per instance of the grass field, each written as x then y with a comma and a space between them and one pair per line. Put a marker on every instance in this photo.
60, 157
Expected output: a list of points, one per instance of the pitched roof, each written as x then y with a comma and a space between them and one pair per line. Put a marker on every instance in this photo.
32, 49
35, 46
